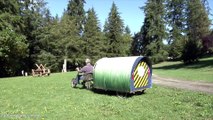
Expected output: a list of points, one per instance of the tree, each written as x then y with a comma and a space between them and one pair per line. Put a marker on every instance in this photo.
127, 40
198, 26
153, 31
32, 12
75, 9
136, 46
13, 46
9, 16
127, 30
176, 21
46, 43
113, 31
68, 42
12, 49
93, 38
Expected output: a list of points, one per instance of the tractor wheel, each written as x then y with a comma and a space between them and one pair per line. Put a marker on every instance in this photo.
89, 84
73, 82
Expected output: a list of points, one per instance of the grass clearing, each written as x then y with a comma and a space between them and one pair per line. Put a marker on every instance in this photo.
53, 98
201, 71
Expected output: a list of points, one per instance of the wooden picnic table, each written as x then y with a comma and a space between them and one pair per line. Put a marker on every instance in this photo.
41, 70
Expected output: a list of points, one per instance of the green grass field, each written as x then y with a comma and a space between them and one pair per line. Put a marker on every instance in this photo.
53, 98
201, 71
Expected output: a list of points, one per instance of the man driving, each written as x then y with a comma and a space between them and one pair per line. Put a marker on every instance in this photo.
88, 68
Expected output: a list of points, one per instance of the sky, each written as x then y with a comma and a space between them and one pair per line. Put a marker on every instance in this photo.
129, 10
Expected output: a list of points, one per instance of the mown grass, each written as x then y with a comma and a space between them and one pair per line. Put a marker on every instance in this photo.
52, 98
200, 71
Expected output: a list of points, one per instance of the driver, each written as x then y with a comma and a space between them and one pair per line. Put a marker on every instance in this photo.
88, 68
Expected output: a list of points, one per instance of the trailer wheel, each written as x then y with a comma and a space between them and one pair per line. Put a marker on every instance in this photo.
140, 92
143, 91
121, 94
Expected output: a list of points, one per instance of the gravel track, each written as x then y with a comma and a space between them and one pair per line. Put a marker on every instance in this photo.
189, 85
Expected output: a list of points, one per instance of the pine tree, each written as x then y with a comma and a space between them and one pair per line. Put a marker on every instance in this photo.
68, 42
127, 30
127, 40
198, 26
93, 38
106, 28
176, 21
32, 12
75, 9
153, 30
136, 46
47, 43
9, 11
113, 31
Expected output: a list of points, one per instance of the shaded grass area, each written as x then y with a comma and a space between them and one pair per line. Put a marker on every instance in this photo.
53, 98
200, 71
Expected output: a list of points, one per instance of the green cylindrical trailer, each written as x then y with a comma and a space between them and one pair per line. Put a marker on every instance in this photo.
123, 74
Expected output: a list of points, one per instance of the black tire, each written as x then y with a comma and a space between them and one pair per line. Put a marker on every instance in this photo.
143, 91
121, 94
73, 83
89, 85
140, 92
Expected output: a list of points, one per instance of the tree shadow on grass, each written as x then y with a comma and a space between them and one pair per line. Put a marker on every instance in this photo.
196, 65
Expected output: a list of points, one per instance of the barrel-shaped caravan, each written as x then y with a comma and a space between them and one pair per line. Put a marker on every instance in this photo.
123, 74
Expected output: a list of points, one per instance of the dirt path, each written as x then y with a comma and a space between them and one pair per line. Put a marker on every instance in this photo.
189, 85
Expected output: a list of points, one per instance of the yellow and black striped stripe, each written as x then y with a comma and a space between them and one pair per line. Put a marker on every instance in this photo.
140, 81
